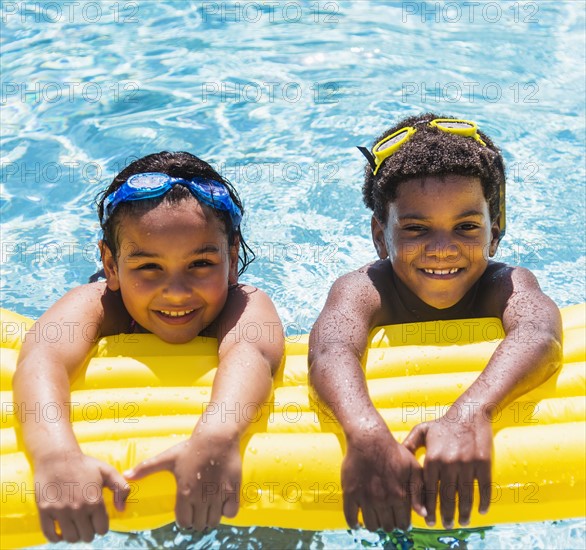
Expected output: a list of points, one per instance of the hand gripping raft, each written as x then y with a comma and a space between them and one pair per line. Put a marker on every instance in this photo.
139, 396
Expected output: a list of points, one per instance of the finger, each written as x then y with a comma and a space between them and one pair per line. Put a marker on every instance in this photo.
465, 494
117, 484
371, 521
48, 528
183, 510
416, 491
483, 474
415, 438
100, 520
448, 488
85, 528
200, 515
214, 513
351, 512
68, 530
163, 461
430, 481
402, 512
231, 501
386, 518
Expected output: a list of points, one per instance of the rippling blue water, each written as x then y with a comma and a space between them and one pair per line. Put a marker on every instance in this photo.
277, 95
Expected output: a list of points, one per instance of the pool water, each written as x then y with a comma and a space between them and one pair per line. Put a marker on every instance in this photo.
277, 96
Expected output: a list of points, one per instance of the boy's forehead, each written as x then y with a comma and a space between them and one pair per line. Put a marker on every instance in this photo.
443, 185
453, 193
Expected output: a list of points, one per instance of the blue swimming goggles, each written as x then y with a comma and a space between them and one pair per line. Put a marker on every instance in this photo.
155, 184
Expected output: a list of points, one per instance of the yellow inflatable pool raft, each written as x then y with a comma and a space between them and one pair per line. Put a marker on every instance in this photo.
139, 396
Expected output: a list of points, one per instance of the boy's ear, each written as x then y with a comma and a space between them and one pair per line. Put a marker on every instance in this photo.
110, 267
233, 272
495, 232
378, 238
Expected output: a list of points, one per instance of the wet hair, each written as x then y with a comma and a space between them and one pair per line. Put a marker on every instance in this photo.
433, 152
178, 165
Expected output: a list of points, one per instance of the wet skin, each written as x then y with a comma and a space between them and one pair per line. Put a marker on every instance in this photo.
173, 291
438, 253
434, 249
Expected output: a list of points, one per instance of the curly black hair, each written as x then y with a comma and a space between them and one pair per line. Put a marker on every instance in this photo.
178, 165
433, 152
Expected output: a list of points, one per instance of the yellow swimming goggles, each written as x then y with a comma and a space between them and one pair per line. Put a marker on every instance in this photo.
390, 144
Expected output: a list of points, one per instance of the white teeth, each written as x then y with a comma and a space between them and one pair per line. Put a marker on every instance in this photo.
441, 271
176, 313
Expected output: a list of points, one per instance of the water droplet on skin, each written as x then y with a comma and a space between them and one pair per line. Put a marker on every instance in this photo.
299, 467
212, 462
198, 475
253, 450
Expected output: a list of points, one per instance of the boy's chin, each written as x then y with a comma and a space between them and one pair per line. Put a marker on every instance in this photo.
441, 303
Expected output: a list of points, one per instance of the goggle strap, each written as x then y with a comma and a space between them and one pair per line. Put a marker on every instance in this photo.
369, 156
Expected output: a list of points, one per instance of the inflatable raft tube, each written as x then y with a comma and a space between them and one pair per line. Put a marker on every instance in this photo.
139, 396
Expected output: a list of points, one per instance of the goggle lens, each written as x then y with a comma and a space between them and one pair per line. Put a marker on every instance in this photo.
147, 181
459, 125
393, 140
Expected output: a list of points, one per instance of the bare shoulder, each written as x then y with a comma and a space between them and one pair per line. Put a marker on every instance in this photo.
93, 307
502, 281
351, 310
360, 285
250, 318
81, 301
516, 293
247, 300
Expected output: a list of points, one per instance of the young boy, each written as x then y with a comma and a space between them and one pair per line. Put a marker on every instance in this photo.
436, 188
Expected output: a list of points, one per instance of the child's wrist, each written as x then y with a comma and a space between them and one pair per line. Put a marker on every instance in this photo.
364, 429
219, 429
472, 411
53, 456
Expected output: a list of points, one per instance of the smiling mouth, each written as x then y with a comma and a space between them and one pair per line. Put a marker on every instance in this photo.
450, 271
175, 314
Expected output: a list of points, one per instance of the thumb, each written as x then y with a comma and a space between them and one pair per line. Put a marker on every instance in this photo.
117, 484
416, 438
163, 461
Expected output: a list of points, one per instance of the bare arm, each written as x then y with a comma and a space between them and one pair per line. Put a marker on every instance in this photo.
529, 354
54, 350
208, 466
531, 350
377, 473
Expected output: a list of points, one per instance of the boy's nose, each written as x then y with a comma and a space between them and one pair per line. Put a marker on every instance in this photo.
443, 248
177, 289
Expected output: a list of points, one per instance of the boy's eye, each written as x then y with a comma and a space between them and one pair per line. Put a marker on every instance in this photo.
147, 267
414, 228
201, 263
468, 226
